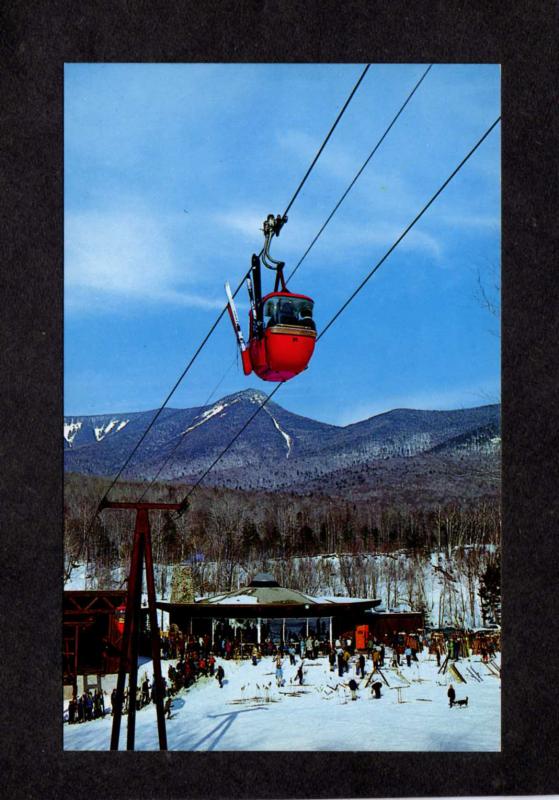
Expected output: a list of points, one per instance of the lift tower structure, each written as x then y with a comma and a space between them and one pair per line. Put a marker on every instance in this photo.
141, 552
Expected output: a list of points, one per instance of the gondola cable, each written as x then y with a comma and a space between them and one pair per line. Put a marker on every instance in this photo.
359, 172
265, 249
347, 302
211, 330
317, 156
409, 227
222, 313
184, 435
336, 207
282, 335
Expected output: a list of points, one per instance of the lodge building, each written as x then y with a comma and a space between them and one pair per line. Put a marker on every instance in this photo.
264, 608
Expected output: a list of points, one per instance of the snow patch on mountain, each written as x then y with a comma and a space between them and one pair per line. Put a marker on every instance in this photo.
103, 430
286, 436
70, 430
253, 396
207, 415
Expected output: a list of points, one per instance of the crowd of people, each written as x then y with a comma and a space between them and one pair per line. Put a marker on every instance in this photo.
228, 645
196, 657
86, 707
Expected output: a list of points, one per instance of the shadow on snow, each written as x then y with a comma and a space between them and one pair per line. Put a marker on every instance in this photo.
222, 727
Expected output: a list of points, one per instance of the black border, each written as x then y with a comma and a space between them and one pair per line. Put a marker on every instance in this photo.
37, 38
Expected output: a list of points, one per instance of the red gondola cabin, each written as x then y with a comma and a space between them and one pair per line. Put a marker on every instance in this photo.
282, 332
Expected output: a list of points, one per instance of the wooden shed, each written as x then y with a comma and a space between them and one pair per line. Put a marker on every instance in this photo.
92, 638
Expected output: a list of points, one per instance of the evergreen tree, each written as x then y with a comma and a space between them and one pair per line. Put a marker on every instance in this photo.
490, 591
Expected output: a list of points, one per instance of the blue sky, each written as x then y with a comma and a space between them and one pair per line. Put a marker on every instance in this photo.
169, 172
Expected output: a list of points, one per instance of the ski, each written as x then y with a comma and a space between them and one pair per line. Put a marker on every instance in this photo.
245, 355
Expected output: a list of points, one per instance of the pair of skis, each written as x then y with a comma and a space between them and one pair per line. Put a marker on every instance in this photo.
475, 674
231, 308
254, 287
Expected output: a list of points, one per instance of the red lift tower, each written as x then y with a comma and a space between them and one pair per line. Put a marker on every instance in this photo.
141, 550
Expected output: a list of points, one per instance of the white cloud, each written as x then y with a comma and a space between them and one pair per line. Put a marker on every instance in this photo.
246, 221
472, 221
369, 233
124, 256
335, 160
382, 235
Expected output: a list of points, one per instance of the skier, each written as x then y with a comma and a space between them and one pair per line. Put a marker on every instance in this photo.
376, 689
310, 647
341, 663
279, 671
300, 673
451, 695
113, 701
72, 709
211, 664
145, 690
407, 653
291, 652
167, 707
88, 706
361, 665
332, 659
220, 674
97, 710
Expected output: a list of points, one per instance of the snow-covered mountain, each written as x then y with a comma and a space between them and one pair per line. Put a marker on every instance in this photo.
278, 449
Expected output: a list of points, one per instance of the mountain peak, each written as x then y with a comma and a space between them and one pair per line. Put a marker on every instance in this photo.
252, 395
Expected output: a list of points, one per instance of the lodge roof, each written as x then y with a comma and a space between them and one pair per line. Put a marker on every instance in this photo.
263, 596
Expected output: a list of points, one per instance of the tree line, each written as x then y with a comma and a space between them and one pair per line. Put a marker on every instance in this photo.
232, 528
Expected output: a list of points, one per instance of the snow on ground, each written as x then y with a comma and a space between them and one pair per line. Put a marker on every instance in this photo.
251, 713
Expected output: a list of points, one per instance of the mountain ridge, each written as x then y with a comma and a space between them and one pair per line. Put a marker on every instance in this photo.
279, 449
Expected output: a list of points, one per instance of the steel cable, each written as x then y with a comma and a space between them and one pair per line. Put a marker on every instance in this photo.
356, 177
350, 298
358, 174
218, 320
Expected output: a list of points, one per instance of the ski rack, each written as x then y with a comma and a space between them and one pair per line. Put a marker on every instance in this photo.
141, 551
